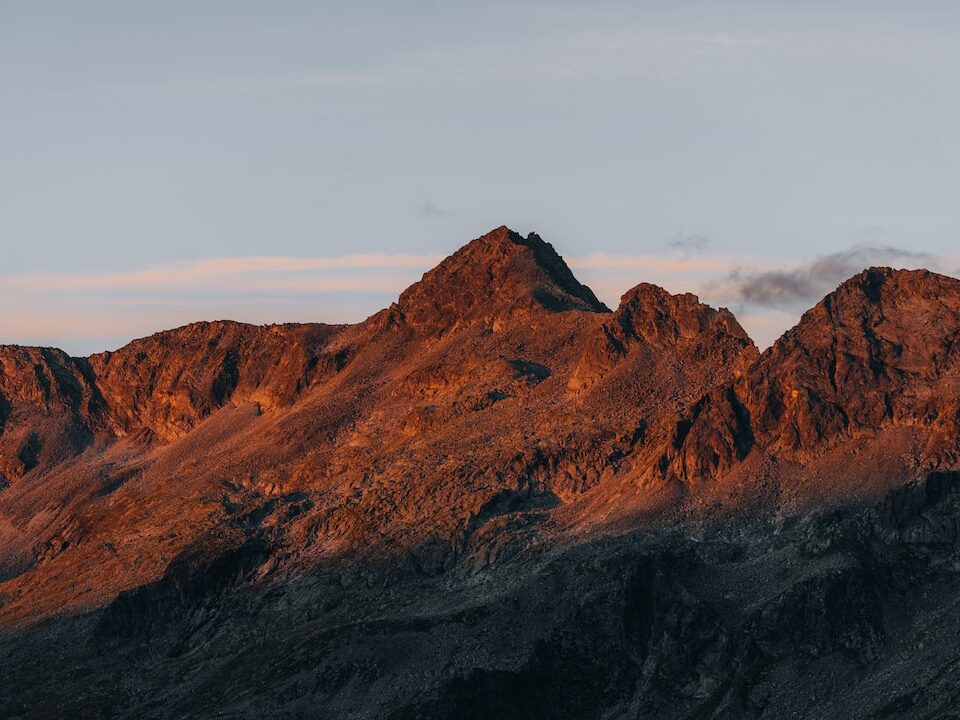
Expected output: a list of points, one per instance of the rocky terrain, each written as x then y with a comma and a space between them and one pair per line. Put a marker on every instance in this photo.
496, 498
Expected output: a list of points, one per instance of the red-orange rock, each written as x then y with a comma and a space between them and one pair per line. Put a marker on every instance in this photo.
497, 389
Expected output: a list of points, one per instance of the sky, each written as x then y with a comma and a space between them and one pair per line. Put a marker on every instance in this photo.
162, 163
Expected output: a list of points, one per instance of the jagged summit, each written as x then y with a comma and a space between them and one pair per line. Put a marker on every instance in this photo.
910, 282
890, 319
874, 293
674, 329
548, 259
495, 273
648, 311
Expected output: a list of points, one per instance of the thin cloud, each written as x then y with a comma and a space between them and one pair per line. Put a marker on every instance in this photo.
429, 211
805, 284
249, 273
375, 272
86, 312
688, 242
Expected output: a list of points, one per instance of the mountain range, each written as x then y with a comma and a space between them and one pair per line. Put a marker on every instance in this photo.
497, 498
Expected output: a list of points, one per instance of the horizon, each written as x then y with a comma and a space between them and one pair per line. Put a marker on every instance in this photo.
296, 163
714, 276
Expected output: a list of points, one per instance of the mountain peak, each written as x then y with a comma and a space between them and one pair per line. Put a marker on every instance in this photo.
870, 353
880, 297
497, 272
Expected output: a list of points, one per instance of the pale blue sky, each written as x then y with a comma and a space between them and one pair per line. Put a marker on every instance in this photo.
158, 136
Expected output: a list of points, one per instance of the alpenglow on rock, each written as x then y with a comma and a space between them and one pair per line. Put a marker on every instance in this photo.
495, 498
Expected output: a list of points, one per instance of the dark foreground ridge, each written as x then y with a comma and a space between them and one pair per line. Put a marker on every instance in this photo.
496, 498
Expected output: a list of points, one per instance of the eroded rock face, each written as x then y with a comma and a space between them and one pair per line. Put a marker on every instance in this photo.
491, 280
50, 409
494, 497
169, 382
53, 406
880, 352
873, 352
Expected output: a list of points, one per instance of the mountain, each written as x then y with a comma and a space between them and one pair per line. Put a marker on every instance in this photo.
495, 498
867, 381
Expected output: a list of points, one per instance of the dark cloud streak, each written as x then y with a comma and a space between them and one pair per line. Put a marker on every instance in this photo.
688, 242
806, 284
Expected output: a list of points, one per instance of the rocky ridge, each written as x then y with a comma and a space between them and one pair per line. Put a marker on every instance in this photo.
495, 448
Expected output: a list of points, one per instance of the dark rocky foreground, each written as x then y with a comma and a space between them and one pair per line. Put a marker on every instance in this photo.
851, 612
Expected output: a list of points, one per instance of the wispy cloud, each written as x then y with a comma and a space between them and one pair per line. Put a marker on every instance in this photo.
86, 312
89, 311
359, 273
804, 284
428, 211
688, 242
722, 40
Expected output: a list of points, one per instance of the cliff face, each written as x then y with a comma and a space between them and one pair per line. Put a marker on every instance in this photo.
874, 360
880, 350
171, 381
496, 415
52, 406
50, 409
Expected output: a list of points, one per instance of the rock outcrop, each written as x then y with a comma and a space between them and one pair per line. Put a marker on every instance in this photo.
169, 382
494, 278
50, 408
